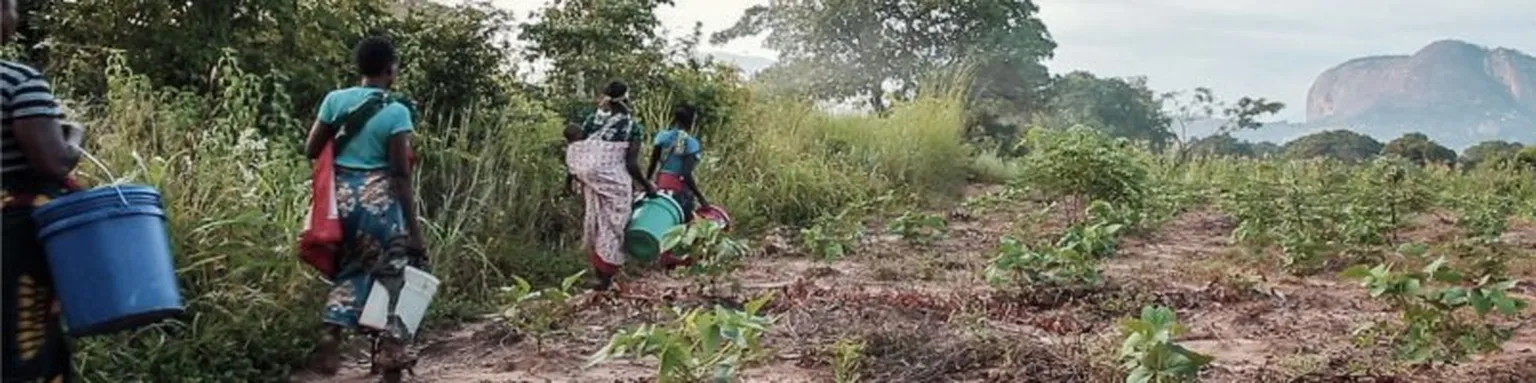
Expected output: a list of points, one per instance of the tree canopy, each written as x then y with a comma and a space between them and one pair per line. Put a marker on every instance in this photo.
1226, 145
1123, 108
1495, 151
875, 50
1418, 148
1338, 144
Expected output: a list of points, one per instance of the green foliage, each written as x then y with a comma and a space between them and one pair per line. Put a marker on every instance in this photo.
1085, 164
238, 200
699, 345
1289, 205
537, 311
1418, 148
1149, 353
1342, 145
589, 43
1527, 158
1225, 145
832, 237
1123, 108
452, 57
1018, 266
847, 360
920, 228
831, 48
1072, 260
1496, 152
714, 254
1434, 303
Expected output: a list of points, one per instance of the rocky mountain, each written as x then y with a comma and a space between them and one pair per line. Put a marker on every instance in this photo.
1456, 92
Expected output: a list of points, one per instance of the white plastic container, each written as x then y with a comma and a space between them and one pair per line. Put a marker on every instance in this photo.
415, 296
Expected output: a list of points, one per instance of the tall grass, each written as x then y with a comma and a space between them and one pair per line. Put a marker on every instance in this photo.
491, 189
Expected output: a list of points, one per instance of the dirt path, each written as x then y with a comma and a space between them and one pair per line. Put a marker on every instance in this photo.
926, 315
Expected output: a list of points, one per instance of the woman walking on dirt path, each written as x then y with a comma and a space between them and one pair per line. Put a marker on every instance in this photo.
39, 153
607, 162
676, 152
375, 200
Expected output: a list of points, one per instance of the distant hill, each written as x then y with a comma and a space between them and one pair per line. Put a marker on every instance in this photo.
1457, 93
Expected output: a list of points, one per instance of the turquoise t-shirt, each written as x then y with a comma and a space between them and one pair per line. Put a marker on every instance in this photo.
672, 160
370, 149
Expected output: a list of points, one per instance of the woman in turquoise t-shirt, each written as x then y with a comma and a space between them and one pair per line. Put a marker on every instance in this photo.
376, 203
676, 152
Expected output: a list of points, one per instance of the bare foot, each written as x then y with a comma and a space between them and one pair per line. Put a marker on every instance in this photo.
327, 357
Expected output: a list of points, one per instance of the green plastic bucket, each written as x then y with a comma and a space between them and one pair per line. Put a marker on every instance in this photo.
649, 223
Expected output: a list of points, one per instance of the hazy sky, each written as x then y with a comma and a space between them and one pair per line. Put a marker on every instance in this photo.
1262, 48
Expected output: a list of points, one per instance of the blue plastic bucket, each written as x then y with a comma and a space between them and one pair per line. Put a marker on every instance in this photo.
111, 259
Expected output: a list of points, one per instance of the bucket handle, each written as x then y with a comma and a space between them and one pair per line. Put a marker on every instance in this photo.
104, 169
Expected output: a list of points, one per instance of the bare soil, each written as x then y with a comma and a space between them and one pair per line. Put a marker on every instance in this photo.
926, 315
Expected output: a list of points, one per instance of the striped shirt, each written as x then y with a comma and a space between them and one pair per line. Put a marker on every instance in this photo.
24, 93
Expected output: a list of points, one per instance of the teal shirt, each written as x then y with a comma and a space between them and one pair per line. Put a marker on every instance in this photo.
370, 149
673, 151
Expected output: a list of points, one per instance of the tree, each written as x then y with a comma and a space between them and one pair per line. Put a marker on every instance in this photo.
1496, 151
1527, 157
1338, 144
858, 49
1418, 148
455, 57
588, 43
1123, 108
451, 55
1201, 104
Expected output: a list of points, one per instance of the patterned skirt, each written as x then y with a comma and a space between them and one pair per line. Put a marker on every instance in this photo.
35, 346
374, 242
608, 190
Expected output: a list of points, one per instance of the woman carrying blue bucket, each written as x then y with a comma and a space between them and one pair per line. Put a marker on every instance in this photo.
38, 158
375, 200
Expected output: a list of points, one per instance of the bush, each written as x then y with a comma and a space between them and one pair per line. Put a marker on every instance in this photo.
490, 186
1085, 164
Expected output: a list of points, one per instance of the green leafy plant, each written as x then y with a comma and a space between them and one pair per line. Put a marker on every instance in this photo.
994, 199
1084, 164
1446, 312
698, 345
920, 228
832, 237
847, 360
537, 312
1018, 266
1149, 353
715, 255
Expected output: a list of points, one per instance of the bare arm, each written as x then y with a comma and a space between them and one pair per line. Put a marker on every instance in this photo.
319, 135
632, 164
689, 164
41, 140
655, 161
404, 188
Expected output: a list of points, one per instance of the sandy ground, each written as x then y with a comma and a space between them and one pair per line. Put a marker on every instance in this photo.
927, 315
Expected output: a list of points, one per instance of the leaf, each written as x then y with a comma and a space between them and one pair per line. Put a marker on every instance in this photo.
1415, 249
1158, 316
1139, 375
1432, 267
571, 280
1356, 272
756, 305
